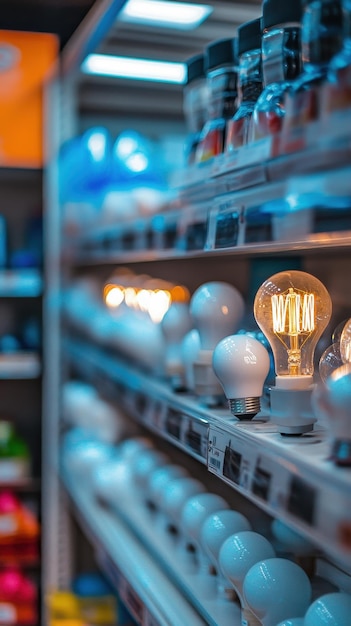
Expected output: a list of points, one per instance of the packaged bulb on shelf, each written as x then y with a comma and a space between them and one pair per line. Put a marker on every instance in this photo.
217, 309
241, 364
237, 555
275, 589
292, 308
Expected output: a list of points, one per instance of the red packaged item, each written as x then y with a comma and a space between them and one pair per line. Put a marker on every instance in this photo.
19, 530
18, 599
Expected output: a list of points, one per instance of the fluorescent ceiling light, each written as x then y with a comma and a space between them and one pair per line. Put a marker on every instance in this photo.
137, 69
163, 13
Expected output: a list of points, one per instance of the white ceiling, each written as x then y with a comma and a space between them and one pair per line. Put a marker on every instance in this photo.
157, 101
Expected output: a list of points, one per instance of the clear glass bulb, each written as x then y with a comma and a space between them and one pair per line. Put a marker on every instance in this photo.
330, 361
293, 308
345, 342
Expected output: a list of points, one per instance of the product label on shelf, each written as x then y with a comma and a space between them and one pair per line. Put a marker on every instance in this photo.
132, 601
190, 433
229, 458
8, 613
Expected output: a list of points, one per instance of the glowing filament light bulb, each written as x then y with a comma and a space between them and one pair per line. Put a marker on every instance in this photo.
293, 319
292, 308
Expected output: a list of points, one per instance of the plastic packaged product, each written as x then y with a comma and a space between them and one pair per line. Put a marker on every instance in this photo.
337, 90
194, 104
250, 84
18, 598
221, 74
14, 454
281, 63
322, 38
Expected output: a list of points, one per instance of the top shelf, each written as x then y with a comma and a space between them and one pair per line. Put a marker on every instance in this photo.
245, 204
20, 283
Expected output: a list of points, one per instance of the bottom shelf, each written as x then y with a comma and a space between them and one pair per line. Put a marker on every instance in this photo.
141, 583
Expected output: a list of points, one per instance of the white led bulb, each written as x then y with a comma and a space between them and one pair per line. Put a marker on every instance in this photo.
241, 363
276, 589
217, 309
214, 532
175, 324
236, 556
332, 609
193, 515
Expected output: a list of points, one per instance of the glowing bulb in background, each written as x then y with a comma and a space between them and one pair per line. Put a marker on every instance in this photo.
241, 364
292, 309
113, 296
159, 305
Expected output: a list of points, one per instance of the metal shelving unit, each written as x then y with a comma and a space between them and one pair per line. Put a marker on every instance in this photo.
140, 581
288, 478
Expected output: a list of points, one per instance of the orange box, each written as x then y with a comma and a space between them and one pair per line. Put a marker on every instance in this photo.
25, 63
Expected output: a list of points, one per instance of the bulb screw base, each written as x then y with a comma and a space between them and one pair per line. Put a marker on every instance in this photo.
244, 408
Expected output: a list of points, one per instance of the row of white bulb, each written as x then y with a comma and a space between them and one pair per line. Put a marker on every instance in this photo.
212, 360
270, 590
196, 347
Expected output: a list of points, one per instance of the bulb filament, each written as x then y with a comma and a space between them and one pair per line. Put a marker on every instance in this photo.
293, 317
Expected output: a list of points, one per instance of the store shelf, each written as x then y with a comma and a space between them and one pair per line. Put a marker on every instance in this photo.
19, 366
140, 581
217, 200
22, 283
292, 478
26, 485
